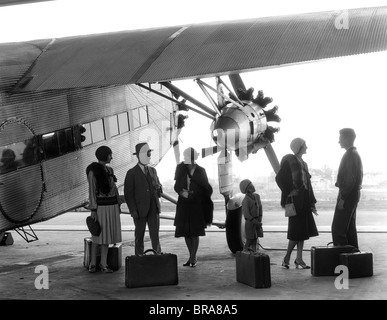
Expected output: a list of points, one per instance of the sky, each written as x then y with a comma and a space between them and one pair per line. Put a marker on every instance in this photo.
315, 100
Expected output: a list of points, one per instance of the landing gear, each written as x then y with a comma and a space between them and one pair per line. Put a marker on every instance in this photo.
235, 230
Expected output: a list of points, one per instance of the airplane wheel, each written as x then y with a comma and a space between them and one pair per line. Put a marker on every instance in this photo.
235, 230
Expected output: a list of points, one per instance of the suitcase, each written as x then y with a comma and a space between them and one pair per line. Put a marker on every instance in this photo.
114, 257
324, 260
359, 264
253, 269
7, 239
151, 270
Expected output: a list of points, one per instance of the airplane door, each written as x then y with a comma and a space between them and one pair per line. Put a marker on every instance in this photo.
21, 175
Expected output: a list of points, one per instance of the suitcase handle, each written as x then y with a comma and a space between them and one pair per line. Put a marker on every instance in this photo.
329, 243
151, 250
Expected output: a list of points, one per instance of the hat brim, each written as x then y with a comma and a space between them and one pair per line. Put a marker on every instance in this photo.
137, 153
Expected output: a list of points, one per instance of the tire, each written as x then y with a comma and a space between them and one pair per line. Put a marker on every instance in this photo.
235, 227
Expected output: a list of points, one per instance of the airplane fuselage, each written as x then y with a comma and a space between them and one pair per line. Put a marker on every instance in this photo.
49, 155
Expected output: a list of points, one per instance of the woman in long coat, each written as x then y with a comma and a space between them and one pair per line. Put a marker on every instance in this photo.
293, 179
194, 206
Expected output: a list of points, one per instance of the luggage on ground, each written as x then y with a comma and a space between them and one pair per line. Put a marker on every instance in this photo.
359, 264
325, 259
253, 269
114, 257
151, 270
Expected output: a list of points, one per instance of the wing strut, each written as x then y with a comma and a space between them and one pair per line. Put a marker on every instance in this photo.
202, 84
212, 101
175, 101
202, 106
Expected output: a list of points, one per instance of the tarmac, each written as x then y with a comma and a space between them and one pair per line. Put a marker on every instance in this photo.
61, 253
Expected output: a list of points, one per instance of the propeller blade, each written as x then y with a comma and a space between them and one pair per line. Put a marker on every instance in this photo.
272, 157
221, 100
240, 88
237, 82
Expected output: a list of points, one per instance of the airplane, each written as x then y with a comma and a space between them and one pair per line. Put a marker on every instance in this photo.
60, 99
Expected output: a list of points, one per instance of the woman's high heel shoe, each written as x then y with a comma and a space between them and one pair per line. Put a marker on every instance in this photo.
301, 265
105, 269
285, 265
187, 264
193, 264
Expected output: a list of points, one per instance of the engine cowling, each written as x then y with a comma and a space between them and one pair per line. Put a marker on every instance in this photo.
239, 128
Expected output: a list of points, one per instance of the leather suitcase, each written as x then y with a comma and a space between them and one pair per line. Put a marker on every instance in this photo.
324, 260
87, 253
253, 269
114, 257
359, 264
151, 270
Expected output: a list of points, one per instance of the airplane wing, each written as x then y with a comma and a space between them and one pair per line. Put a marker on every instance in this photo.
200, 50
4, 3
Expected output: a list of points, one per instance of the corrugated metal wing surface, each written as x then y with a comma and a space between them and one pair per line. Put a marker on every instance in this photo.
15, 60
268, 42
95, 60
208, 49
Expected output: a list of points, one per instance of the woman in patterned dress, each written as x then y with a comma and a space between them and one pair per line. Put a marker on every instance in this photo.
104, 205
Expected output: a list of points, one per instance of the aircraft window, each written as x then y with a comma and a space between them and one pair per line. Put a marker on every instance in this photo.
123, 122
31, 153
139, 117
86, 135
9, 158
112, 126
66, 140
97, 131
18, 155
50, 145
58, 143
143, 116
135, 119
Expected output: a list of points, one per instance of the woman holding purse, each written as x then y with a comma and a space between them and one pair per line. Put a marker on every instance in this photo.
293, 178
104, 204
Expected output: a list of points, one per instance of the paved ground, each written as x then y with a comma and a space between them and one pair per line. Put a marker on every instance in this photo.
213, 279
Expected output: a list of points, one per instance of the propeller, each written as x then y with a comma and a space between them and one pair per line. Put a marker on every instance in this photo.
242, 127
239, 125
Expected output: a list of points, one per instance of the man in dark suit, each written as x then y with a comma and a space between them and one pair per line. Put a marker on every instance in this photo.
349, 181
142, 190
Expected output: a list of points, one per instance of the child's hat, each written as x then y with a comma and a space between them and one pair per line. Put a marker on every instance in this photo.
244, 185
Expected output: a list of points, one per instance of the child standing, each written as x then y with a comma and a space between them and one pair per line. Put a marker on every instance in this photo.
252, 212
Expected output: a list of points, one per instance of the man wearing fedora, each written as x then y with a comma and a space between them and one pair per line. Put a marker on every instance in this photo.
142, 190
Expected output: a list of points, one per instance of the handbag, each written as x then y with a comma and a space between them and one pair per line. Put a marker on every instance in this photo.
93, 226
290, 209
